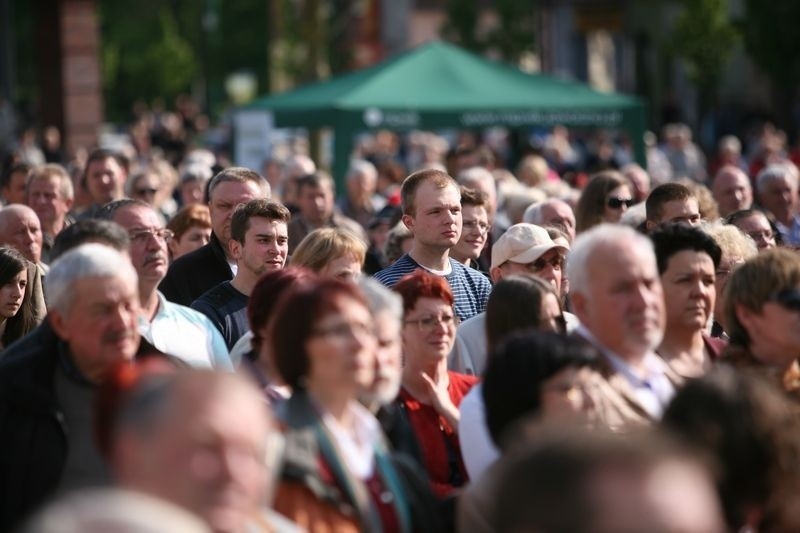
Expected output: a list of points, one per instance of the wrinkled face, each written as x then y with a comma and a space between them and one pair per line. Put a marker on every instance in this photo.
101, 325
45, 198
758, 228
617, 202
549, 267
388, 358
211, 457
559, 214
623, 306
194, 238
12, 293
474, 233
225, 197
341, 350
429, 331
437, 221
733, 192
689, 291
265, 247
684, 211
345, 267
148, 250
14, 193
104, 180
780, 198
24, 232
316, 203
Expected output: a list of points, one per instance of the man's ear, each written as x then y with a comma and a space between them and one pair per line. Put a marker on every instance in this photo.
650, 225
57, 323
408, 220
235, 248
745, 316
495, 274
578, 303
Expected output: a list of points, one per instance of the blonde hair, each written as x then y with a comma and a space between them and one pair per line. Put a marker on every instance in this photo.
323, 245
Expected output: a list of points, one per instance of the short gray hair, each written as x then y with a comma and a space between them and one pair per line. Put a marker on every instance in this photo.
360, 167
774, 172
381, 299
86, 261
585, 244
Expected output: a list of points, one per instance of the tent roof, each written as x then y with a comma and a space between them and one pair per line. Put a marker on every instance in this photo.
441, 79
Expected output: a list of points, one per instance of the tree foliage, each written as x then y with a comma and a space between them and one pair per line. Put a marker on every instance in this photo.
772, 39
705, 38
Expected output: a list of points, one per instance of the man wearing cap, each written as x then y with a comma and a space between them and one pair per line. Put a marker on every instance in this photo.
522, 249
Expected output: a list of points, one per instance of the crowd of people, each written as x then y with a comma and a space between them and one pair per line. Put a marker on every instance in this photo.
582, 344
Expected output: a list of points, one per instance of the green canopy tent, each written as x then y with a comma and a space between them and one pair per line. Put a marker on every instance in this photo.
437, 86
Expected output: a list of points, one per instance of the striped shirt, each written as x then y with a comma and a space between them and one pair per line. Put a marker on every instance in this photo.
470, 288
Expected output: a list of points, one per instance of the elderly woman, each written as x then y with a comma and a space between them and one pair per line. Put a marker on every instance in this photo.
518, 303
331, 252
687, 260
762, 313
192, 229
336, 474
604, 199
430, 395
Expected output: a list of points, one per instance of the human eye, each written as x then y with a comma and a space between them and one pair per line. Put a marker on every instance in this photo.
428, 321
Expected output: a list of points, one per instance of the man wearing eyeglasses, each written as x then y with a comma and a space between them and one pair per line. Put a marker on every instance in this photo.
671, 202
173, 329
475, 230
522, 249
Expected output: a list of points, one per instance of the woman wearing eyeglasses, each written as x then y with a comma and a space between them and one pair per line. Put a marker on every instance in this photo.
687, 259
762, 313
336, 474
604, 199
430, 394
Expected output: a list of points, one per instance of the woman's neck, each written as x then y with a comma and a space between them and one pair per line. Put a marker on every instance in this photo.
685, 351
415, 384
333, 401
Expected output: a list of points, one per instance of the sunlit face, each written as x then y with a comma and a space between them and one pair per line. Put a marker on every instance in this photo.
437, 221
732, 191
104, 180
12, 293
689, 291
148, 251
560, 215
341, 350
14, 193
475, 231
346, 267
225, 197
23, 231
780, 198
429, 330
316, 203
388, 358
758, 228
46, 199
623, 196
549, 267
623, 307
192, 239
210, 458
101, 325
685, 211
265, 247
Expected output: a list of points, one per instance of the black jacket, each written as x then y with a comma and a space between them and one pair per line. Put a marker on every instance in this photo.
196, 272
33, 443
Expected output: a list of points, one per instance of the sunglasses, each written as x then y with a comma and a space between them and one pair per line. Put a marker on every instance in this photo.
788, 299
617, 203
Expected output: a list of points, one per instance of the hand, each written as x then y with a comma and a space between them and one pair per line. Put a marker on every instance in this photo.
439, 398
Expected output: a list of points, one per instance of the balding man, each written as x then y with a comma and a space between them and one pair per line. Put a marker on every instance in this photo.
48, 378
616, 292
731, 190
552, 212
20, 228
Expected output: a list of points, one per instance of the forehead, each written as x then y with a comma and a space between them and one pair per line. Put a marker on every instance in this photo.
45, 183
680, 207
228, 412
96, 289
428, 195
754, 221
732, 179
690, 257
780, 183
21, 217
556, 209
614, 263
103, 164
135, 216
474, 211
430, 305
234, 191
266, 225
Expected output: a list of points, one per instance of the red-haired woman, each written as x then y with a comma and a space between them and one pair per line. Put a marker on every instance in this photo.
430, 395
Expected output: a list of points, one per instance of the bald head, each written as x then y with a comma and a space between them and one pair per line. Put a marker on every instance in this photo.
20, 228
731, 190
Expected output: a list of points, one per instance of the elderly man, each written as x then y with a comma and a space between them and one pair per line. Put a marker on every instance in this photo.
552, 212
173, 329
777, 193
196, 272
432, 212
522, 249
731, 190
259, 243
201, 440
47, 379
50, 195
359, 201
616, 292
20, 229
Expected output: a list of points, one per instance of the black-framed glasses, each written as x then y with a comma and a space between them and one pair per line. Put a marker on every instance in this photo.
141, 236
617, 203
787, 298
